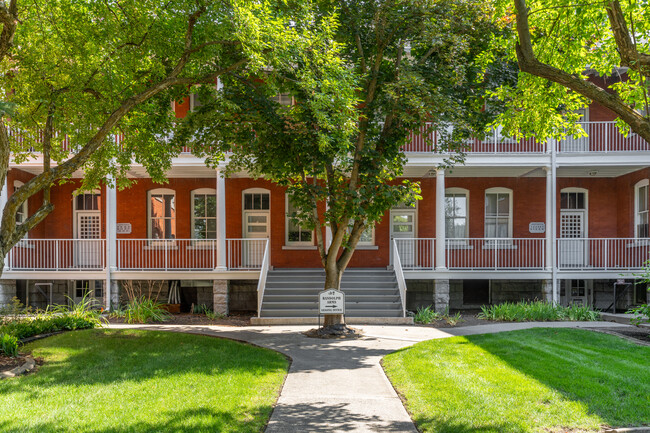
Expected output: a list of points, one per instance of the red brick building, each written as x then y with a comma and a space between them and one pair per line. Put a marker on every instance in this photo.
565, 221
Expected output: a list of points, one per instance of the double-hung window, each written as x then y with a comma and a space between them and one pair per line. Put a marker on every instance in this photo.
296, 235
641, 209
498, 213
162, 214
204, 214
456, 203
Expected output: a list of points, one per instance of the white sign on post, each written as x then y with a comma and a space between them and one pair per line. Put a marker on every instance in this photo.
331, 301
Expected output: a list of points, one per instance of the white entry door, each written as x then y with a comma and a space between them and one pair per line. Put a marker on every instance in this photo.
88, 251
573, 245
256, 226
402, 226
578, 292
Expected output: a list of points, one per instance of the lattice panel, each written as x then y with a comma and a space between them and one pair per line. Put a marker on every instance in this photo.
89, 227
571, 226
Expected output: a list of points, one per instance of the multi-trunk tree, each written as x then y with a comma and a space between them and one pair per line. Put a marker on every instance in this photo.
558, 45
327, 112
77, 74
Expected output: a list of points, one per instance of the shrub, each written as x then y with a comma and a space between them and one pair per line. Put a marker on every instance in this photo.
641, 314
143, 310
536, 311
8, 345
209, 313
425, 315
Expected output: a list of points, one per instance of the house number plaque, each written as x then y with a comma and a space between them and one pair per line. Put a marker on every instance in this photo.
123, 228
537, 227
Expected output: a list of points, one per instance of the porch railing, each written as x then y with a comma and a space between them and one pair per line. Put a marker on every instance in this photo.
399, 274
57, 255
602, 137
188, 254
602, 254
495, 253
261, 284
415, 253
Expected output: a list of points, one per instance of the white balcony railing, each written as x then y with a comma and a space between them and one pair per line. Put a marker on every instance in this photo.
602, 137
57, 255
495, 254
623, 254
245, 254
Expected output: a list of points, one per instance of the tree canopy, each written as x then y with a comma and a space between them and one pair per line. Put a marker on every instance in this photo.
362, 75
76, 75
559, 45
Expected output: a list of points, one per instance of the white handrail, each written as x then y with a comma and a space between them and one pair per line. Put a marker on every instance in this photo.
58, 255
399, 274
261, 284
606, 254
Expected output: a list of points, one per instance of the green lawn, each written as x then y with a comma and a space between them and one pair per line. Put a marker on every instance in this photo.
143, 381
537, 380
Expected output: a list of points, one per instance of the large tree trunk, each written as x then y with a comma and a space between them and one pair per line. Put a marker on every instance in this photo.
333, 281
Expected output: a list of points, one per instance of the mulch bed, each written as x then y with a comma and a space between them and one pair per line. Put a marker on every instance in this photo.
634, 334
235, 319
7, 363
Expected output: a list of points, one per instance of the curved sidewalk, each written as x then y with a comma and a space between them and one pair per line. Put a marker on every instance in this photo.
339, 385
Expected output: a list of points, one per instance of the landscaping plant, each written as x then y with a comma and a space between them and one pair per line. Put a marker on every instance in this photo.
536, 311
641, 314
208, 312
426, 315
8, 345
142, 310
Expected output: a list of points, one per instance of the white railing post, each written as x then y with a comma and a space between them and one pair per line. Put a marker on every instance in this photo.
441, 263
3, 202
399, 275
56, 254
221, 222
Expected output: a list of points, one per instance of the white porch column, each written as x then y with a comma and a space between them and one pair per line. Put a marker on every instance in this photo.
3, 202
441, 262
553, 229
221, 222
111, 243
548, 253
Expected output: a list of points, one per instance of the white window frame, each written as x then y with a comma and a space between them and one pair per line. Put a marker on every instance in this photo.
202, 191
458, 191
287, 219
638, 187
165, 191
244, 210
361, 243
586, 208
24, 207
278, 98
499, 190
75, 209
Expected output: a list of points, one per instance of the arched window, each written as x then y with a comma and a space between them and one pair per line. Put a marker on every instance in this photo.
161, 209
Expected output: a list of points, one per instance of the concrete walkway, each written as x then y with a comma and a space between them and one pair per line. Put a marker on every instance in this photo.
339, 385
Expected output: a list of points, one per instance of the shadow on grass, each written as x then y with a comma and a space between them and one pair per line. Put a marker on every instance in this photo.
184, 421
154, 369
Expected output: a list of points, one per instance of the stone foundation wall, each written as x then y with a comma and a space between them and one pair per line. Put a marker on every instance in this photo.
455, 294
220, 296
7, 292
419, 294
516, 290
143, 288
242, 295
204, 297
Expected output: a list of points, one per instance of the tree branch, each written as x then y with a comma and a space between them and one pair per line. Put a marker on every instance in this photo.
627, 49
529, 63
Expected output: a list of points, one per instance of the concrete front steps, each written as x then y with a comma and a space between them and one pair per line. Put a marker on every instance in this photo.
291, 297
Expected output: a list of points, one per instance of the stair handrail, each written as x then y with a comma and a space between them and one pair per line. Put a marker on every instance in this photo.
261, 284
399, 274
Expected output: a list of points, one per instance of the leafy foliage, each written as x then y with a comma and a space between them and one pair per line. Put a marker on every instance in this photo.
572, 43
427, 315
641, 314
537, 311
142, 310
9, 345
364, 75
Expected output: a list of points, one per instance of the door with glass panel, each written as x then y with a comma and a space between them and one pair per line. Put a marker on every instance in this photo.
572, 250
403, 227
256, 226
88, 250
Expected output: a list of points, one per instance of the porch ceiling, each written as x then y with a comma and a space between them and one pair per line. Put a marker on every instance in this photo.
596, 171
